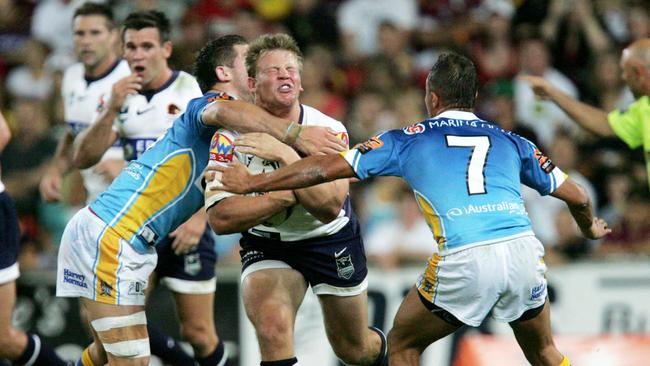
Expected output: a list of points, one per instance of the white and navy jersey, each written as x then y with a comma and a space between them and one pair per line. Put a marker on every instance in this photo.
82, 97
295, 223
146, 116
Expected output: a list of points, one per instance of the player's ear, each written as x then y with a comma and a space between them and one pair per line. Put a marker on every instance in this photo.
223, 74
252, 84
167, 49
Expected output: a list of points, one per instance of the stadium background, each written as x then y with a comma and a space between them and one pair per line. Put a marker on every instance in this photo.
365, 64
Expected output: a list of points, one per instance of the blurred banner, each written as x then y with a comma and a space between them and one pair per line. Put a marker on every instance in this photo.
589, 299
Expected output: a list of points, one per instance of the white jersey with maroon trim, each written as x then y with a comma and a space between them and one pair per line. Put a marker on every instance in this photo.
295, 223
82, 98
146, 116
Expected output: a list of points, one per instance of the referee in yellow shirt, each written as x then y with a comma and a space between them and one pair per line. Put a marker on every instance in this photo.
632, 125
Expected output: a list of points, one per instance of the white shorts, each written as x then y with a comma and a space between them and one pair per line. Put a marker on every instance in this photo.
96, 263
506, 278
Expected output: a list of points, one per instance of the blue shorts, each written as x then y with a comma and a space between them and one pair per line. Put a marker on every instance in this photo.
9, 239
332, 265
188, 273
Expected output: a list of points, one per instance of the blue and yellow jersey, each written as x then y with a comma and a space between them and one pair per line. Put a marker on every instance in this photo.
466, 174
162, 188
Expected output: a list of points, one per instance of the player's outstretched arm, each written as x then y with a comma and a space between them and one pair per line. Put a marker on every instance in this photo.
245, 117
240, 213
303, 173
588, 117
580, 207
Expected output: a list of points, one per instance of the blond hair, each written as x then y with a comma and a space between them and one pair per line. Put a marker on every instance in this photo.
270, 42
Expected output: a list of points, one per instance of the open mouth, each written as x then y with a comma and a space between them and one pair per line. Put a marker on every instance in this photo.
285, 88
138, 69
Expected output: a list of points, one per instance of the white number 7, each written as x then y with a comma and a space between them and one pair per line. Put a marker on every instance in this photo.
475, 169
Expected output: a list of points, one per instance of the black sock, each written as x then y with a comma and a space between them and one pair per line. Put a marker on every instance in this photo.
39, 353
217, 358
167, 349
287, 362
382, 359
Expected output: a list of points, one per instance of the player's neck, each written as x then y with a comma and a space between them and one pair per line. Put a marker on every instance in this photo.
451, 108
292, 112
101, 68
158, 82
225, 88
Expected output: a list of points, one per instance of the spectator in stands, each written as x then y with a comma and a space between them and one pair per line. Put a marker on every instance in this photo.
31, 80
543, 117
405, 239
631, 236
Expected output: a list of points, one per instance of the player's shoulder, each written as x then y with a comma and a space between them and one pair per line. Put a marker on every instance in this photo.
314, 117
185, 80
73, 74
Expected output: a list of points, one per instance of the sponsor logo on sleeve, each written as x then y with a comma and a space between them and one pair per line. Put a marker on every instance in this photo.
221, 148
544, 162
413, 129
372, 144
343, 136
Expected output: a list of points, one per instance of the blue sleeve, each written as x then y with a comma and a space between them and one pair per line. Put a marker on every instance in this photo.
379, 156
537, 170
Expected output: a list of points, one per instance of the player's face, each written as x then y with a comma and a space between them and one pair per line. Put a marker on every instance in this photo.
93, 41
277, 82
240, 78
146, 55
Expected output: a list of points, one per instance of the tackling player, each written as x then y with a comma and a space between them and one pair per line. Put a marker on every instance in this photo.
485, 249
110, 244
315, 243
141, 107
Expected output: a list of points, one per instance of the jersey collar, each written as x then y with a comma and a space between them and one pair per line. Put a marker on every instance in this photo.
150, 93
105, 74
457, 115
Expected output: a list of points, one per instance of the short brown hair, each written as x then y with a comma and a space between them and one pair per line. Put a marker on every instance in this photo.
269, 42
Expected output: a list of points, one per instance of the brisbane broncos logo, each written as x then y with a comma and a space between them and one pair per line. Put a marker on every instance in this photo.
221, 148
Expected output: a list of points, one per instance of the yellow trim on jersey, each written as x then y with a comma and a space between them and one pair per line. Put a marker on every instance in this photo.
106, 268
565, 362
427, 286
168, 182
433, 220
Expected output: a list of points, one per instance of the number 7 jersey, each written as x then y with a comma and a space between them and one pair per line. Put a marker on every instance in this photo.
466, 174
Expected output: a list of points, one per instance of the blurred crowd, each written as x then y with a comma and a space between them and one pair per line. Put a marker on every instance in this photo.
365, 64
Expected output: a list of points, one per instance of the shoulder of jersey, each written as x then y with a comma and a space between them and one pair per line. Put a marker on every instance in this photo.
122, 69
187, 81
73, 72
313, 116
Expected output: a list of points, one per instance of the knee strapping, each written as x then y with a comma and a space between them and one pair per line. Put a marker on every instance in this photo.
124, 336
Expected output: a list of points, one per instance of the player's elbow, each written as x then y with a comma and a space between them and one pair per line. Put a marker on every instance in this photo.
221, 225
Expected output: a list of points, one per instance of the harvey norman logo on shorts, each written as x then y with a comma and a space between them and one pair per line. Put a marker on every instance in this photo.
512, 208
74, 278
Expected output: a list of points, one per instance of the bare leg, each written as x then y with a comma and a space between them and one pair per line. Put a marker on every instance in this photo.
414, 329
12, 340
97, 310
195, 312
346, 323
536, 340
272, 298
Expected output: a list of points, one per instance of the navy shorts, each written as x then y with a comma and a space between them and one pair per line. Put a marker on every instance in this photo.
196, 266
332, 265
9, 238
